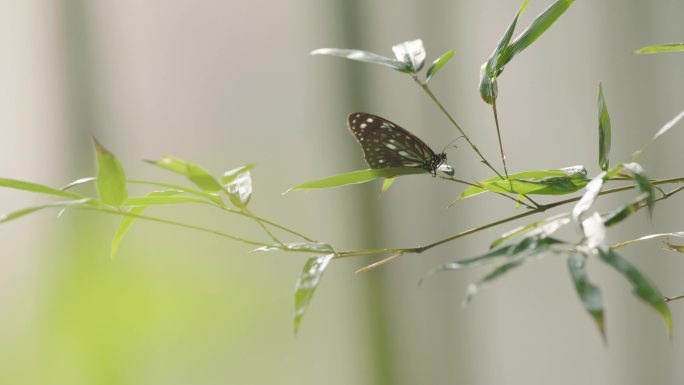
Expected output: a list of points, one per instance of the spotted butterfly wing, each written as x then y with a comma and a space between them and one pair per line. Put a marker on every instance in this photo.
385, 144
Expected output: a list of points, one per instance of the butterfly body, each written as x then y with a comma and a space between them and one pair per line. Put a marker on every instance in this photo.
386, 144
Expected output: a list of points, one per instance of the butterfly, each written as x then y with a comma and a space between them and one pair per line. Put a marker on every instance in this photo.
385, 144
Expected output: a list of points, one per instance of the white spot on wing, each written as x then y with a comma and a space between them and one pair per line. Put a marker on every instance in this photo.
363, 125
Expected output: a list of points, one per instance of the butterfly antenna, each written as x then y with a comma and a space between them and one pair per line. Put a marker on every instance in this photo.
452, 142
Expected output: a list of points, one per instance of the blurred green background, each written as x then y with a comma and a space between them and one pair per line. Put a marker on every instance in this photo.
225, 83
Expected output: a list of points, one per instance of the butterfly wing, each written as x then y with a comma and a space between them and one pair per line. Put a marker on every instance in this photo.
386, 144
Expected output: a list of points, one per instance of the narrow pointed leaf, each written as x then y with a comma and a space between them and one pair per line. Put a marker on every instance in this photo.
604, 131
674, 47
526, 245
537, 28
643, 289
386, 184
30, 210
196, 174
79, 182
660, 132
589, 294
363, 56
679, 234
545, 182
542, 228
111, 179
307, 284
494, 64
412, 53
623, 212
151, 200
643, 183
36, 188
202, 178
309, 247
187, 190
535, 250
438, 64
356, 177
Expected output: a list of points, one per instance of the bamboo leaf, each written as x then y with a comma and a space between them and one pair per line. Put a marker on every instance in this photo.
537, 28
111, 179
674, 47
36, 188
308, 282
30, 210
363, 56
356, 177
589, 294
604, 131
643, 183
643, 289
620, 245
309, 247
196, 174
386, 184
438, 64
660, 132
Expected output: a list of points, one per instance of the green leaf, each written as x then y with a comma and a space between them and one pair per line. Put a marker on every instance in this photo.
386, 184
489, 89
36, 188
202, 178
363, 56
124, 226
537, 28
162, 200
210, 196
526, 245
534, 250
621, 213
544, 182
494, 64
674, 47
411, 53
196, 174
240, 190
111, 179
438, 64
679, 234
643, 289
589, 294
356, 177
593, 189
542, 228
643, 183
309, 247
604, 131
79, 182
307, 284
30, 210
230, 175
660, 132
